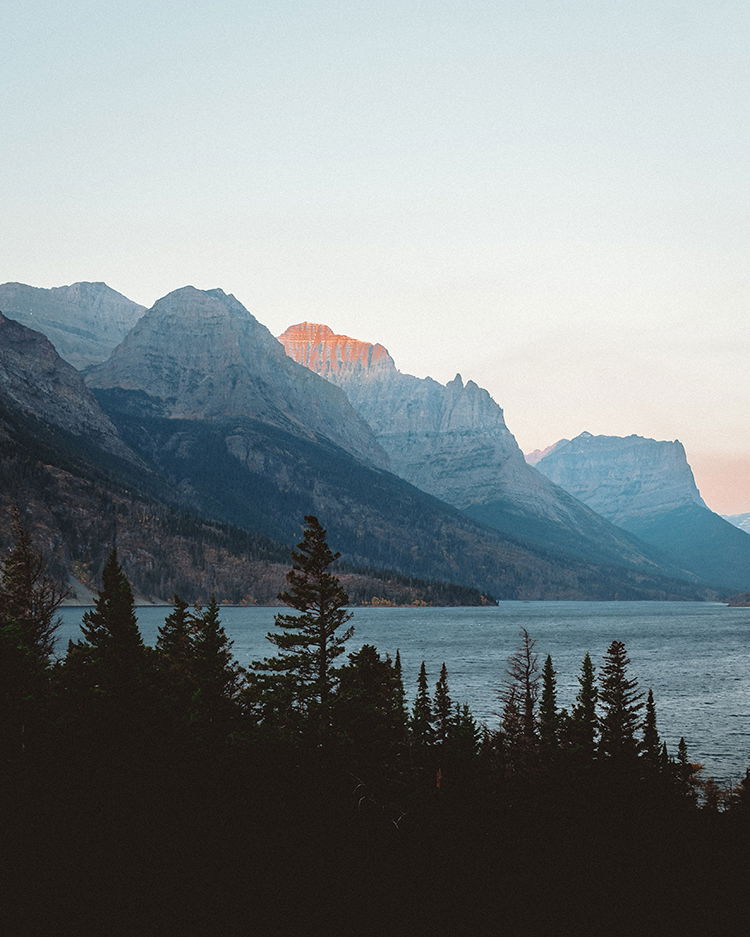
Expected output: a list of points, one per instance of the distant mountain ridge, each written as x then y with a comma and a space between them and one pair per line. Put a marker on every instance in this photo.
84, 321
622, 477
647, 487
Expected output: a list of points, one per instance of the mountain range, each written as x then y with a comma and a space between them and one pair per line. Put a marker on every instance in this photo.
199, 444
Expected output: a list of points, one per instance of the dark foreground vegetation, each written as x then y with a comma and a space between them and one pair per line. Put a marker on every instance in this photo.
156, 791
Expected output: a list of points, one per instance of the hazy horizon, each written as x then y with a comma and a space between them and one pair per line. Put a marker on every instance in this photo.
549, 199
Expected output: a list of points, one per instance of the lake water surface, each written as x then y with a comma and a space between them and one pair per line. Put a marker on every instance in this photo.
695, 657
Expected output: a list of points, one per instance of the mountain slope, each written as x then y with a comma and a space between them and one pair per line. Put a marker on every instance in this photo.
83, 321
202, 355
647, 487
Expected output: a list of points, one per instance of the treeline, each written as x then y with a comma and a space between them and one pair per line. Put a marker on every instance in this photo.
369, 586
167, 790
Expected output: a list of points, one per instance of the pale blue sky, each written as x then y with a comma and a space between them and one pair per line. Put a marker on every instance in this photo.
551, 198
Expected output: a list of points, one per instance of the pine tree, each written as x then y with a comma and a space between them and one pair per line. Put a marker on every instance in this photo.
175, 666
174, 640
443, 707
302, 676
548, 715
465, 735
620, 704
421, 722
686, 773
583, 720
108, 672
511, 722
523, 682
364, 712
215, 673
651, 745
399, 694
29, 600
112, 641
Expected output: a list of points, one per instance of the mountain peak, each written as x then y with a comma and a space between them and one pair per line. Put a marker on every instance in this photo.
622, 476
203, 355
319, 348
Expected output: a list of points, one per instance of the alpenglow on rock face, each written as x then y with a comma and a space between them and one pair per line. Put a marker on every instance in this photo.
83, 321
203, 356
622, 477
449, 440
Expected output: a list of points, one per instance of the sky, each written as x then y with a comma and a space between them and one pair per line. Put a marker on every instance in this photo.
551, 198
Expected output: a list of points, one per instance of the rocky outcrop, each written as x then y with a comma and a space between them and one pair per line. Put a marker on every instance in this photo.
449, 440
35, 380
622, 478
83, 321
202, 355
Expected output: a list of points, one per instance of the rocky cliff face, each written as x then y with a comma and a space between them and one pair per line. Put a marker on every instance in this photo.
449, 440
35, 380
202, 355
623, 477
83, 321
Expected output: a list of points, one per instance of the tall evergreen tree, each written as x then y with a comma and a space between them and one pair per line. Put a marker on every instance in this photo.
548, 714
108, 672
112, 642
215, 672
523, 682
686, 773
621, 705
465, 735
365, 713
511, 722
303, 673
443, 707
174, 640
29, 599
421, 722
582, 727
399, 694
651, 745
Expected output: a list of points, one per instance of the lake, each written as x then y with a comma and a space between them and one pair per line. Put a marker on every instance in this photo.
695, 657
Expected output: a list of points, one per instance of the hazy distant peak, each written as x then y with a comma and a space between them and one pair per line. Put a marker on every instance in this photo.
621, 476
84, 320
537, 454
